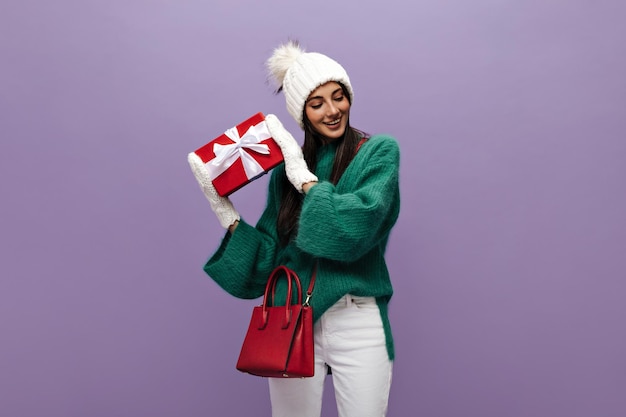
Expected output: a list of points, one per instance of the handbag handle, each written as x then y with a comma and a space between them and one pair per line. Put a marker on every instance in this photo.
291, 275
271, 286
309, 291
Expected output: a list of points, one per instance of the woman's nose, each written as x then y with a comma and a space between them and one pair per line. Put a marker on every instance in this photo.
332, 110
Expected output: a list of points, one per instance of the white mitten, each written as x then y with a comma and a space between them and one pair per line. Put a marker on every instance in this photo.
221, 206
295, 167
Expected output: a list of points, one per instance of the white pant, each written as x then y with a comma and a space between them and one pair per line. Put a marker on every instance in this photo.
349, 338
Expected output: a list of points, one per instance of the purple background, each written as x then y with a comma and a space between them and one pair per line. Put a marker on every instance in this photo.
507, 260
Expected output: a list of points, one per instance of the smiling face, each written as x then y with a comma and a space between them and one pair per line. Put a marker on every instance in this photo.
328, 109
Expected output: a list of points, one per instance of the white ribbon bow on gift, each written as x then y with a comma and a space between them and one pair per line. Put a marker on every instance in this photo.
226, 155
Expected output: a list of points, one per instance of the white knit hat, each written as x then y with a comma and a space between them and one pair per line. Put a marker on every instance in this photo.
300, 72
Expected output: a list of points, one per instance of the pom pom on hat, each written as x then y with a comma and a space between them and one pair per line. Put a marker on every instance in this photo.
283, 57
298, 73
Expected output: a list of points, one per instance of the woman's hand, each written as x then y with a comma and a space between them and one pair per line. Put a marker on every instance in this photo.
221, 206
295, 167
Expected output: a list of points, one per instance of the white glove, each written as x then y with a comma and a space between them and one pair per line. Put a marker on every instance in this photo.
221, 206
295, 167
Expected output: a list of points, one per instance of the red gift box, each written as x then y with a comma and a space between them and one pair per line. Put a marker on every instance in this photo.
240, 155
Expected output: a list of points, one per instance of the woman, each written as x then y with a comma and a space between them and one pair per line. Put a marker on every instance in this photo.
334, 202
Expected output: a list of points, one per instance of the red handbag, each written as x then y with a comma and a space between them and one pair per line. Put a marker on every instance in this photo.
279, 341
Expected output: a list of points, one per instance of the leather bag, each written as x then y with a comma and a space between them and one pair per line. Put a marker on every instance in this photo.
279, 340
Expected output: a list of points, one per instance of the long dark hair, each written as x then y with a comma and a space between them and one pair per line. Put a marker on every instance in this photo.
291, 199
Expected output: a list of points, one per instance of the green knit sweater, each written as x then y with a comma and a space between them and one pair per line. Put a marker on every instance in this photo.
344, 226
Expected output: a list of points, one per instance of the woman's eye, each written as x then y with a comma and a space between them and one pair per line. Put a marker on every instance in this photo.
339, 98
316, 106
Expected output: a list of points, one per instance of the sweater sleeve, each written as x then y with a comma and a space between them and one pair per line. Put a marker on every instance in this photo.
246, 257
344, 222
